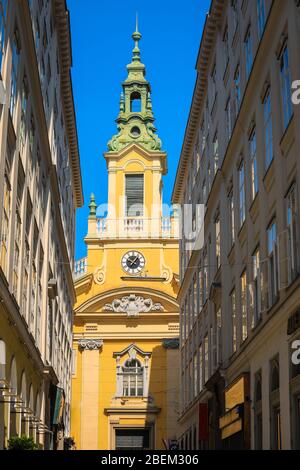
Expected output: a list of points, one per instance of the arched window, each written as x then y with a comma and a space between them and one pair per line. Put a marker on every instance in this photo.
133, 378
23, 396
135, 102
13, 431
258, 391
275, 376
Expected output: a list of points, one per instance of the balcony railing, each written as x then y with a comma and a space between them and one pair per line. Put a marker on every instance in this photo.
136, 227
80, 268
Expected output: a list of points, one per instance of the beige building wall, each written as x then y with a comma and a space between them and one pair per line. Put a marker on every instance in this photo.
238, 292
38, 161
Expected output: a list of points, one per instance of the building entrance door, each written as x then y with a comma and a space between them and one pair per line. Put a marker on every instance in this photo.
132, 439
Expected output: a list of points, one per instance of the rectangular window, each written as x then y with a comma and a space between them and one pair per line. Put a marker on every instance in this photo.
218, 242
244, 306
231, 218
272, 263
14, 75
24, 101
286, 85
218, 337
268, 129
237, 91
228, 120
213, 85
6, 210
134, 191
195, 365
292, 217
261, 16
204, 191
256, 289
216, 153
201, 369
276, 428
191, 376
206, 359
234, 321
195, 290
253, 162
205, 276
242, 198
3, 10
248, 52
225, 47
235, 15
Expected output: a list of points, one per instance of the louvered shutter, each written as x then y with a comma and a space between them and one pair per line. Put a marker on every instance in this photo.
134, 195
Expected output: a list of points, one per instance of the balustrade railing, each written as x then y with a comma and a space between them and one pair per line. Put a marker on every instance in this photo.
80, 267
165, 227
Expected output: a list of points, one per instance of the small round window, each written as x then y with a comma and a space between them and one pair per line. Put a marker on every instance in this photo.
135, 131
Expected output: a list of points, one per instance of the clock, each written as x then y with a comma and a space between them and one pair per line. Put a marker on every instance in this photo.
133, 262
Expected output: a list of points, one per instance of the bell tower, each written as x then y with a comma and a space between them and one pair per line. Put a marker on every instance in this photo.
126, 318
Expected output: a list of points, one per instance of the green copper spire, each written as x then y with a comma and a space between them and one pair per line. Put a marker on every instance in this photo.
136, 120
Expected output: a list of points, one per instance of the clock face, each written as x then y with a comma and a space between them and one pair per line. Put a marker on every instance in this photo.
133, 262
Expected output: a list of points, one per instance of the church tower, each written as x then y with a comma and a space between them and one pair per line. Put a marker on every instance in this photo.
125, 363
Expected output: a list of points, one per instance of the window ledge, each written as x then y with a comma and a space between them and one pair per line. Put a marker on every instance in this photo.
226, 73
288, 137
254, 208
257, 324
269, 177
273, 306
242, 234
235, 37
231, 255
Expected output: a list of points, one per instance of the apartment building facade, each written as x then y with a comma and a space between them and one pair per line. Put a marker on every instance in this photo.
41, 181
239, 293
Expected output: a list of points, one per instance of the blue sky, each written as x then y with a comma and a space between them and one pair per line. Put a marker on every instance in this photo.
102, 47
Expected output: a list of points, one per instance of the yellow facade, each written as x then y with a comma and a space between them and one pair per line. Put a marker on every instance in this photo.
125, 370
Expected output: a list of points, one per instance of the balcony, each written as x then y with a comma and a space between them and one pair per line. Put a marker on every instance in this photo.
134, 227
80, 268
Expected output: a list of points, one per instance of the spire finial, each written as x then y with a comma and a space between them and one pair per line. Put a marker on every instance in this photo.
136, 37
92, 206
136, 22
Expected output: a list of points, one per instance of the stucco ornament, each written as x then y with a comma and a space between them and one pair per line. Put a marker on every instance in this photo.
90, 344
99, 275
133, 305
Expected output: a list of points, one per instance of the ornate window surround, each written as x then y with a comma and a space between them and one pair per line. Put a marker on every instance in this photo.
130, 353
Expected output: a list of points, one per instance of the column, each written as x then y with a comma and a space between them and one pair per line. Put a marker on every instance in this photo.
90, 393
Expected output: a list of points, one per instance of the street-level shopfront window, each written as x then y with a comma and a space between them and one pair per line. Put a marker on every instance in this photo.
258, 419
276, 441
295, 399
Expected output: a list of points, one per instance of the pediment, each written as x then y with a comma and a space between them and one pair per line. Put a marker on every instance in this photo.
130, 301
131, 350
139, 149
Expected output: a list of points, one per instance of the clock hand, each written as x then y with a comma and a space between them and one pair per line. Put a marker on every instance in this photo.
134, 261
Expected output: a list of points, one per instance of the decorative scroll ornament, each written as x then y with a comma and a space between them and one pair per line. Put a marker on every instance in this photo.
99, 276
90, 344
133, 305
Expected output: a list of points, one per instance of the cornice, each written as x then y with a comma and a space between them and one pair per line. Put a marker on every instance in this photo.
62, 19
204, 55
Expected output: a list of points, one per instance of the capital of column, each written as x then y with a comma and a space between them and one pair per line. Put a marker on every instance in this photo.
90, 344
